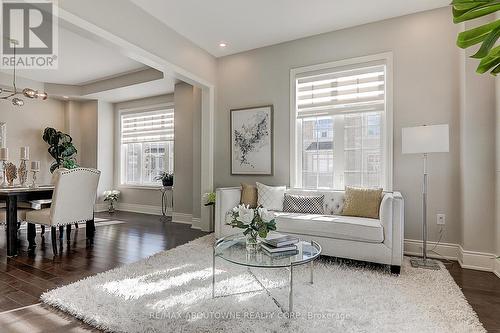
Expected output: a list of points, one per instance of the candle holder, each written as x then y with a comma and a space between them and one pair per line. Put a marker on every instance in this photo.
4, 180
23, 173
33, 183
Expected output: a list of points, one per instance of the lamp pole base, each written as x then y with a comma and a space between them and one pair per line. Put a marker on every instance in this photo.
424, 263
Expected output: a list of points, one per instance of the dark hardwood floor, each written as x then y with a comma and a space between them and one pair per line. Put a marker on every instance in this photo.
24, 278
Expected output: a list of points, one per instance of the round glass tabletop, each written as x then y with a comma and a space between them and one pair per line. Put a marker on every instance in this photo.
233, 249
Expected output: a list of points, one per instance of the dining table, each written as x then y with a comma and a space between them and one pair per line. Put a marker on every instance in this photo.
13, 195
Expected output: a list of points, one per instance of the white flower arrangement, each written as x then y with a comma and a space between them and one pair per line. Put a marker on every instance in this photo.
256, 222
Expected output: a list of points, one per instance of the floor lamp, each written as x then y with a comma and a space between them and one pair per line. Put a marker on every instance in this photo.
424, 140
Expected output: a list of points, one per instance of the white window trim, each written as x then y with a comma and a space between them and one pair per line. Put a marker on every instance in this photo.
118, 145
387, 57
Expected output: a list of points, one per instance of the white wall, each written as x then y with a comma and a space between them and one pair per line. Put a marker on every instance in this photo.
426, 91
25, 127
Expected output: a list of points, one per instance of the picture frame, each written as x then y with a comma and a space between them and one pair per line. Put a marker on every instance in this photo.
3, 135
252, 140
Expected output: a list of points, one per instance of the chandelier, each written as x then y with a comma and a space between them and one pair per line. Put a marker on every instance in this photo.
13, 92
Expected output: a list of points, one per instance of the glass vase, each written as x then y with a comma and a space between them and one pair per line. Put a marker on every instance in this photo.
252, 244
111, 208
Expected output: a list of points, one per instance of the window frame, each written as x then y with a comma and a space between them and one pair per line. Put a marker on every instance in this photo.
387, 59
118, 145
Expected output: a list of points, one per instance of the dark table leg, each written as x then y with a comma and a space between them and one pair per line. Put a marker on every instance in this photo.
90, 230
11, 203
31, 235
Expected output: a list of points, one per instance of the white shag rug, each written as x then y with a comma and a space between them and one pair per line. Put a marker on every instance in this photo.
171, 292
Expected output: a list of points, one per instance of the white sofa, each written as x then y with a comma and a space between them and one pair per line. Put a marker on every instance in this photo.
374, 240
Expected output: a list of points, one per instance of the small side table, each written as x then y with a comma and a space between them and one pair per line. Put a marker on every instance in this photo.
164, 199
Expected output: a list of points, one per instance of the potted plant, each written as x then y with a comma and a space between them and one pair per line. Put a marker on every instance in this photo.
256, 222
167, 178
111, 196
209, 199
61, 148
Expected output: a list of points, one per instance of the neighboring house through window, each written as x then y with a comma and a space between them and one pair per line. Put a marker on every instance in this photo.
342, 124
147, 145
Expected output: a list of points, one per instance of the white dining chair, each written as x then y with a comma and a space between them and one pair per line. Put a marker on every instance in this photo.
73, 201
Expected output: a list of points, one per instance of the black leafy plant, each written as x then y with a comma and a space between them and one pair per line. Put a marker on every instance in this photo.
251, 138
486, 34
61, 148
167, 178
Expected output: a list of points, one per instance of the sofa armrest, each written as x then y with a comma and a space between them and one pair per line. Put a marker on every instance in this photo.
398, 222
226, 199
392, 219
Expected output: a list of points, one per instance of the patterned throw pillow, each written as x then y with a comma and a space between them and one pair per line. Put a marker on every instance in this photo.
304, 204
270, 197
248, 195
362, 202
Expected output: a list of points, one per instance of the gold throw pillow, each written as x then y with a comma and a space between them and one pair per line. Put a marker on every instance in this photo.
362, 202
248, 195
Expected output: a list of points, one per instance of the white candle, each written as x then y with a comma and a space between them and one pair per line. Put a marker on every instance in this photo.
25, 153
4, 154
35, 165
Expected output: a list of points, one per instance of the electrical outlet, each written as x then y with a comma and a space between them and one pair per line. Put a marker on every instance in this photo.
441, 219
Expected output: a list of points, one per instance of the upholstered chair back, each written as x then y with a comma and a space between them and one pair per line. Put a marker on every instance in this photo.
74, 195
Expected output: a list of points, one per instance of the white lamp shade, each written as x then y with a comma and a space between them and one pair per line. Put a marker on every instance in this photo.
426, 139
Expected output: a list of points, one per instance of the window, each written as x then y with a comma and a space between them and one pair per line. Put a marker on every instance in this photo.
340, 121
147, 146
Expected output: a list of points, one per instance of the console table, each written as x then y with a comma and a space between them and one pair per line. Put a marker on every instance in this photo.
164, 196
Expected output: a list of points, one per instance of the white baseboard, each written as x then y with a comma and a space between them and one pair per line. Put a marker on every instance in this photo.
196, 223
497, 268
467, 259
448, 251
476, 260
182, 218
135, 208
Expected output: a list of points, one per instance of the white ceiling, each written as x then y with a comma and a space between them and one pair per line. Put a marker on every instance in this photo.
81, 61
250, 24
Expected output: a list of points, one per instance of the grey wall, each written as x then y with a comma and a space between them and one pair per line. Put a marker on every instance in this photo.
129, 195
88, 134
196, 152
183, 158
497, 130
105, 147
25, 128
426, 91
477, 112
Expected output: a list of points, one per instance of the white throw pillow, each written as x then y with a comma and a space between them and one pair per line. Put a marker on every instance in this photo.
270, 197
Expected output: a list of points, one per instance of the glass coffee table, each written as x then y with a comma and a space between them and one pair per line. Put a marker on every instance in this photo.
233, 249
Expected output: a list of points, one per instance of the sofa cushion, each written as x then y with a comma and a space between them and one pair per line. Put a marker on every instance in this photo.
333, 204
270, 197
332, 226
303, 204
362, 202
248, 195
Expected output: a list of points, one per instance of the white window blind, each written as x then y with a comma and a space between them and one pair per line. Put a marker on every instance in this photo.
147, 146
153, 126
340, 123
331, 92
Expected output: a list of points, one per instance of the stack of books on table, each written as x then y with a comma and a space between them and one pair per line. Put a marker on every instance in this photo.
279, 245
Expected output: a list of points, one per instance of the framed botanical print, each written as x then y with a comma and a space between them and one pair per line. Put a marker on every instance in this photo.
252, 141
